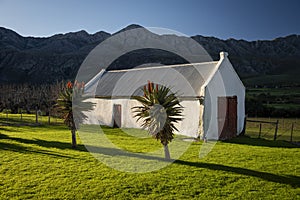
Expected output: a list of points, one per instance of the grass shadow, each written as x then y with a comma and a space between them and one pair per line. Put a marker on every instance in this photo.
294, 181
23, 149
33, 124
45, 143
3, 128
290, 180
260, 142
120, 152
17, 122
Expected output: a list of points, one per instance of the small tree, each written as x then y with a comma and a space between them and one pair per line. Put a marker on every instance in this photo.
159, 112
71, 103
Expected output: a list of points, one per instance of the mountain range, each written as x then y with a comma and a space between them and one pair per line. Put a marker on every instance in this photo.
49, 59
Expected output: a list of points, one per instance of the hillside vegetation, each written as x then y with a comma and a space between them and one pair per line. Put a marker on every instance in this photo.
46, 60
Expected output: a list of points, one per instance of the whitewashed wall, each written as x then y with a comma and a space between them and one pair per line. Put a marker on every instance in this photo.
225, 82
191, 115
103, 115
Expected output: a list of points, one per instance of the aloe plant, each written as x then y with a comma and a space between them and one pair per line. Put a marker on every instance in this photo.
159, 111
71, 103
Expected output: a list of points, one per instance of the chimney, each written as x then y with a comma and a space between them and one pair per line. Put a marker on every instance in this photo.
223, 55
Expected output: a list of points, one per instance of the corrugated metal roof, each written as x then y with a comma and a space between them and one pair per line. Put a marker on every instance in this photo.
186, 79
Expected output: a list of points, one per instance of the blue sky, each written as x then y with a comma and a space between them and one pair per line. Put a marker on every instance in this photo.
240, 19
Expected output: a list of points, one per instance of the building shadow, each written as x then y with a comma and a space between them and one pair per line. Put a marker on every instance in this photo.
260, 142
294, 181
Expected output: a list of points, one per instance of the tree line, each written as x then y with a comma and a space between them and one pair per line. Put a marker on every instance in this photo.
262, 105
28, 98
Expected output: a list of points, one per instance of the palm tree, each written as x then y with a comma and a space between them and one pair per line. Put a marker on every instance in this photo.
159, 112
71, 103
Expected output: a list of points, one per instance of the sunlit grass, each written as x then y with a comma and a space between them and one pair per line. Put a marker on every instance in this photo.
38, 162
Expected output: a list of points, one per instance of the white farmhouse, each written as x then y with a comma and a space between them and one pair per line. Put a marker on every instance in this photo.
211, 93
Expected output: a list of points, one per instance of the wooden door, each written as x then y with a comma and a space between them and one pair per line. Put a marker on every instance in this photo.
227, 117
232, 116
117, 115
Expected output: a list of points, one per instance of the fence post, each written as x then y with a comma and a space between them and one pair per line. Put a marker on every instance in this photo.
36, 115
276, 130
292, 129
49, 116
259, 134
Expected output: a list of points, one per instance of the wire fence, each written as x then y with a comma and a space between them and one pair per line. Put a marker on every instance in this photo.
287, 129
274, 128
26, 119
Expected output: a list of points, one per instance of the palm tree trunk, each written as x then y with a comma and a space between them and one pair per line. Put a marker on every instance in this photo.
167, 152
74, 143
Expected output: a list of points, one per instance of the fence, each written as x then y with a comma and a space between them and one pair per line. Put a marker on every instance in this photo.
23, 119
274, 129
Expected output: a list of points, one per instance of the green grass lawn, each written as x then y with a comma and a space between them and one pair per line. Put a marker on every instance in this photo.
38, 162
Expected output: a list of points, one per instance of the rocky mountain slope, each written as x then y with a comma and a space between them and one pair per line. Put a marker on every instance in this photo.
45, 60
37, 60
281, 55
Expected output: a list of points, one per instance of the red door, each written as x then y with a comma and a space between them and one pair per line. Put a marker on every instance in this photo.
117, 114
227, 117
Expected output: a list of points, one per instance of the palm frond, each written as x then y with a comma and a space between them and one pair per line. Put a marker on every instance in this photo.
159, 112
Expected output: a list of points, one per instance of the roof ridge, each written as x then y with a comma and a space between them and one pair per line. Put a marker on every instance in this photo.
163, 66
